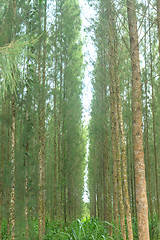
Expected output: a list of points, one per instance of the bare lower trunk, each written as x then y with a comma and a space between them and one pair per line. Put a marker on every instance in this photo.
43, 117
115, 126
146, 134
8, 189
26, 190
140, 181
2, 163
158, 22
12, 204
124, 165
153, 111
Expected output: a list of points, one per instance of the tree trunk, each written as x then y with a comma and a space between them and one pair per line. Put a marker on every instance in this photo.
140, 180
147, 156
55, 120
13, 129
43, 116
8, 159
158, 22
153, 107
40, 133
55, 140
115, 127
2, 162
13, 177
124, 164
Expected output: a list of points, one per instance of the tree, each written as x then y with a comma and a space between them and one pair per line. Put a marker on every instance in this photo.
141, 196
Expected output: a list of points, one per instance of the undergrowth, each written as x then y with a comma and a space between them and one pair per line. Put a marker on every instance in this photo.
88, 229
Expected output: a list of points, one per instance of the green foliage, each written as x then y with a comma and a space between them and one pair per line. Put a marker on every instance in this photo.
11, 56
87, 229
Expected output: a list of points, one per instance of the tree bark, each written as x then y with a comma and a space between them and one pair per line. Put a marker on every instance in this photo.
140, 180
158, 22
115, 127
2, 162
153, 110
40, 133
13, 130
13, 177
124, 164
147, 155
43, 116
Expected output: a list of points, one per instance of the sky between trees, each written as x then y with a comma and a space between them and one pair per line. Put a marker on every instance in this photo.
79, 80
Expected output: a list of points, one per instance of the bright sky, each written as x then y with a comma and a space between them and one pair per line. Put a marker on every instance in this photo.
89, 52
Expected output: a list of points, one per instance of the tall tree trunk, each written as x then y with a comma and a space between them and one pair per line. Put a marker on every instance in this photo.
64, 151
60, 193
55, 118
40, 133
140, 180
118, 161
114, 117
55, 138
13, 129
93, 187
13, 177
153, 110
112, 102
43, 115
147, 156
115, 194
26, 187
59, 144
105, 175
158, 22
27, 131
8, 160
124, 164
2, 162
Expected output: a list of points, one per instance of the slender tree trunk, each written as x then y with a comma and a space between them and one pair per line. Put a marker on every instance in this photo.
26, 189
111, 74
8, 159
118, 162
40, 133
55, 122
13, 129
153, 110
115, 194
13, 177
105, 175
43, 116
124, 164
98, 199
64, 152
154, 128
55, 139
60, 126
93, 187
2, 162
27, 130
131, 174
59, 143
147, 157
115, 126
158, 22
140, 181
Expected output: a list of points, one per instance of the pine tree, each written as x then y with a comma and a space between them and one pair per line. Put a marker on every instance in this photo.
141, 196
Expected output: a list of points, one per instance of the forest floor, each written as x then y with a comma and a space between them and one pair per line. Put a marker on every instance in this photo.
87, 229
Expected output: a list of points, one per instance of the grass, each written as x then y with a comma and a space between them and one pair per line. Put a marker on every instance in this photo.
88, 229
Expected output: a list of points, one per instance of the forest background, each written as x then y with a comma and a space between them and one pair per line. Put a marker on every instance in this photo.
43, 137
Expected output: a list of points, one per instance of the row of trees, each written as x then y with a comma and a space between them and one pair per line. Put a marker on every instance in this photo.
123, 162
42, 157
